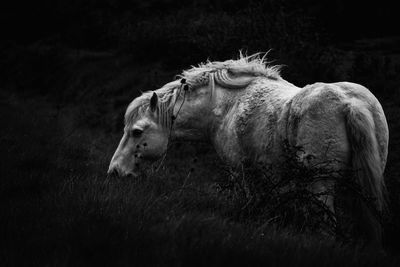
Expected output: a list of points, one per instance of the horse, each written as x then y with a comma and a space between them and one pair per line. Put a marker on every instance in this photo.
247, 111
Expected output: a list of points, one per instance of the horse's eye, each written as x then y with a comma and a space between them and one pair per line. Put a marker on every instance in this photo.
136, 132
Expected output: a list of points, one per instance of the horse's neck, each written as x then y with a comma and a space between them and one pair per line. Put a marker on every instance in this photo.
192, 122
246, 121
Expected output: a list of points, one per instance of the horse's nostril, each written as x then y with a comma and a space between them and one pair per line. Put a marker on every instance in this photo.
113, 172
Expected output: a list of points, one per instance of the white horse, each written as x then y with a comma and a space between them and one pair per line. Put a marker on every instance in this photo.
247, 111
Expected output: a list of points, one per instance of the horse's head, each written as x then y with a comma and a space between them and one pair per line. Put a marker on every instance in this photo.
144, 137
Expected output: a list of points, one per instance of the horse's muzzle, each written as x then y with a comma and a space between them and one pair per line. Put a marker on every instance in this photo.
115, 171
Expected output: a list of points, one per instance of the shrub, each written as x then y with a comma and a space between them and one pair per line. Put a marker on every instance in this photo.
281, 195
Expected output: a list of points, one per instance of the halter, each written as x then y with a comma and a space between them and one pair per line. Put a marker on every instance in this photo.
173, 117
212, 83
185, 87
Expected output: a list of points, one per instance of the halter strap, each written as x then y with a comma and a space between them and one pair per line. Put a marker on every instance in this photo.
170, 117
211, 82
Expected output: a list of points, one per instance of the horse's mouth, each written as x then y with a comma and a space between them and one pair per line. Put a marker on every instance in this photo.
116, 171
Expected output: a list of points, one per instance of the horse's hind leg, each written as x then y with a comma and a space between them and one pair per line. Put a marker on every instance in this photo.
325, 149
361, 222
324, 190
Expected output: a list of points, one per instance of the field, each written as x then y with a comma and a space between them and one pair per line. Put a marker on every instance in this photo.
59, 207
61, 118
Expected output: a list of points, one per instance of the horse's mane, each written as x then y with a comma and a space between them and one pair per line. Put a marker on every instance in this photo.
254, 66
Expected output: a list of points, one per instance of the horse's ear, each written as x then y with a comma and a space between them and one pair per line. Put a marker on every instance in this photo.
153, 102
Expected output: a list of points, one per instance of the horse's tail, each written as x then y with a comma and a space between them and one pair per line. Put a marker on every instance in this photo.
366, 160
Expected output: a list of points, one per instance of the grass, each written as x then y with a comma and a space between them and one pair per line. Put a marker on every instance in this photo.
59, 208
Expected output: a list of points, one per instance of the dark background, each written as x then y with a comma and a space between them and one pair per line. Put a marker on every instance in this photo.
69, 69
